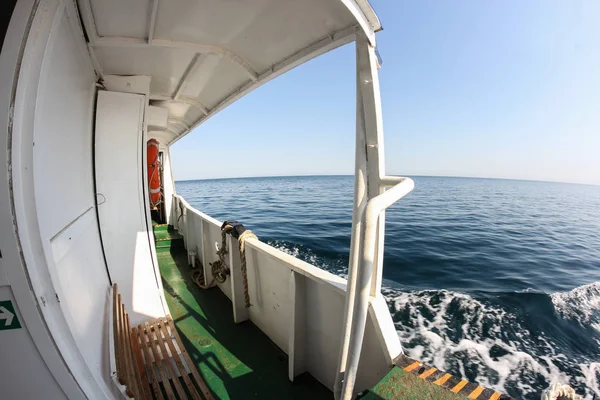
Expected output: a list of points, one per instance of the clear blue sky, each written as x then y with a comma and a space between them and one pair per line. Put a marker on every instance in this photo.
503, 89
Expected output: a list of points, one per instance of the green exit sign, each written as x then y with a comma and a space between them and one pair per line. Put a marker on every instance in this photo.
8, 316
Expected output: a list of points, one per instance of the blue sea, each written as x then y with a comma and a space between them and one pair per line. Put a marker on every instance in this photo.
494, 280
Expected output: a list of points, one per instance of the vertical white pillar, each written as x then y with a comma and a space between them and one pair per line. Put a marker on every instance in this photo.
360, 201
238, 300
297, 327
369, 168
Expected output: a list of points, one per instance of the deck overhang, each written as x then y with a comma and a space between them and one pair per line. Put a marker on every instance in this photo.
203, 55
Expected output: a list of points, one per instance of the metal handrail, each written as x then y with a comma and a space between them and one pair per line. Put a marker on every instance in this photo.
352, 344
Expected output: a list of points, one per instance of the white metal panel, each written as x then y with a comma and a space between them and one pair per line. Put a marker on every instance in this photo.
131, 20
123, 225
139, 84
23, 373
214, 80
164, 65
324, 317
269, 289
63, 125
64, 195
158, 118
297, 336
323, 331
83, 286
260, 31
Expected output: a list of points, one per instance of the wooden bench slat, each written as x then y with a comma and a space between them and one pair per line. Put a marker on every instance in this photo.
159, 362
116, 334
176, 356
140, 370
167, 361
143, 359
135, 373
199, 381
148, 358
124, 380
132, 378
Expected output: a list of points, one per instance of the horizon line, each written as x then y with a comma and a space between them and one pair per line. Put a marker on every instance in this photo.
408, 175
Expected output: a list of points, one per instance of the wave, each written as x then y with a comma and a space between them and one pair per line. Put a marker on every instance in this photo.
491, 345
336, 266
484, 342
581, 304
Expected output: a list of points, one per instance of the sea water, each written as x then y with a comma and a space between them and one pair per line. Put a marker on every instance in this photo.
494, 280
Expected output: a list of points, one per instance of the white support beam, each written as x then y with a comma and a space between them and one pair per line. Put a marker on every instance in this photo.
366, 258
88, 20
297, 324
182, 99
362, 19
179, 122
194, 103
195, 47
95, 62
366, 179
189, 71
172, 132
360, 202
322, 46
152, 22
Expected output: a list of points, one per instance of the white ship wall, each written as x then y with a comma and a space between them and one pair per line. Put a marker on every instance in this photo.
60, 274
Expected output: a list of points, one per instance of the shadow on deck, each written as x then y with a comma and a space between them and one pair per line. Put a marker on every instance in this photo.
237, 361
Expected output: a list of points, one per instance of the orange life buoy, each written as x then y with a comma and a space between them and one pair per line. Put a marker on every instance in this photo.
153, 173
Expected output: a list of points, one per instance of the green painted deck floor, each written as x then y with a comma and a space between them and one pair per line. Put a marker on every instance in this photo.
236, 360
401, 385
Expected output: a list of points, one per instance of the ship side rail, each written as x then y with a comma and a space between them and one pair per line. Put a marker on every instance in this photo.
299, 306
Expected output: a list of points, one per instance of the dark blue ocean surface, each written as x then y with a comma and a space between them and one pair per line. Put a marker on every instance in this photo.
495, 280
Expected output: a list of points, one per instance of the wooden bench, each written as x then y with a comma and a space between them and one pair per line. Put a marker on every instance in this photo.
149, 361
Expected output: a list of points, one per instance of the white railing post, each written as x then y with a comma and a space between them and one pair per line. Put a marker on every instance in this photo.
360, 202
368, 220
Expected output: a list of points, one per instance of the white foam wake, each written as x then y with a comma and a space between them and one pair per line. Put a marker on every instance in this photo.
306, 254
581, 304
484, 343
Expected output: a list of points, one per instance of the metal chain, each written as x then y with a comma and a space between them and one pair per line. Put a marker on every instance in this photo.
218, 268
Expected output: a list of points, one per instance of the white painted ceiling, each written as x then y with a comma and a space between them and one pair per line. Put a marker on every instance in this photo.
202, 55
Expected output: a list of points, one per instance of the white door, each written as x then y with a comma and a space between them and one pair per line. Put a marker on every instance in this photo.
120, 174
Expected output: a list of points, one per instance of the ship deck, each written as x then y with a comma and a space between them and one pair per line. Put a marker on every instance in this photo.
237, 361
240, 361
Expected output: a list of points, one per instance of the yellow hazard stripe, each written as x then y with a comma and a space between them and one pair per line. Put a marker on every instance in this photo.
412, 366
443, 379
475, 393
459, 386
427, 373
495, 396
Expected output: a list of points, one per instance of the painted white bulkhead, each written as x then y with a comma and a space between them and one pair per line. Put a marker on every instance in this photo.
79, 99
122, 200
53, 202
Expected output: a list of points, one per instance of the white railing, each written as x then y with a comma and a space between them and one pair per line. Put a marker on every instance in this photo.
299, 306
